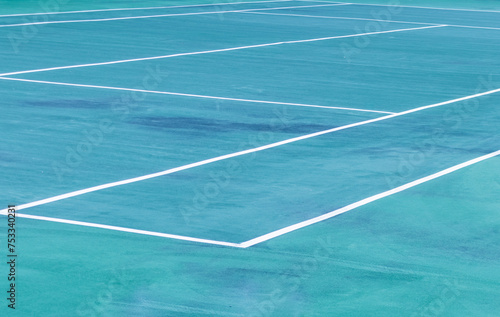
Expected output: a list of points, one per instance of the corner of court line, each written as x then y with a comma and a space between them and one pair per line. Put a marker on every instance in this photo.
365, 201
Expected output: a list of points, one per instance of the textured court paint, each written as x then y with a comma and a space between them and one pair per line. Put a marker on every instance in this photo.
163, 129
376, 20
402, 264
457, 18
28, 7
338, 18
241, 153
121, 229
158, 16
393, 257
409, 266
365, 201
143, 8
400, 4
270, 235
433, 8
329, 77
218, 51
196, 96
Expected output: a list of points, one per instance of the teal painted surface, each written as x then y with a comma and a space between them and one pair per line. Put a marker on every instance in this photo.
430, 250
391, 258
30, 6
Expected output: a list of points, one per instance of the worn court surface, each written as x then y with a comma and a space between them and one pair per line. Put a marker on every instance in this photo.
281, 158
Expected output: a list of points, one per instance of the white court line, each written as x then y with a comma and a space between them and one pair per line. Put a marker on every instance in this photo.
163, 15
473, 27
115, 228
216, 51
145, 8
276, 233
240, 153
339, 18
407, 6
376, 20
195, 96
363, 202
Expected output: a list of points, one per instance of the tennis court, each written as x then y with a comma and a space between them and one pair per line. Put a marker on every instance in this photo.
263, 158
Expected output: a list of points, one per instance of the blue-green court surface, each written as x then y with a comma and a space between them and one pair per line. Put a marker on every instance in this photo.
261, 158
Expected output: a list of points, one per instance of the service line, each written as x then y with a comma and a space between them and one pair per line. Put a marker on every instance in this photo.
217, 51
